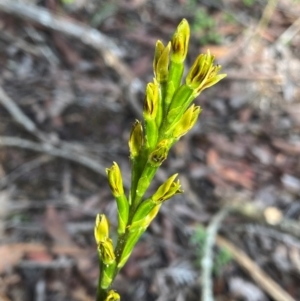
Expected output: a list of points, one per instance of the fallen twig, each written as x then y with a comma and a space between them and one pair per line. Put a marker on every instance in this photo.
57, 148
289, 33
258, 275
24, 169
207, 260
18, 114
53, 151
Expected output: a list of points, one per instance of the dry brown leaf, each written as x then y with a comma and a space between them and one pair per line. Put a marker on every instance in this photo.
212, 158
55, 227
10, 256
286, 147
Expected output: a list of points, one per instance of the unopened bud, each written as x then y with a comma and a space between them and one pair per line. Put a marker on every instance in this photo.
136, 139
161, 62
101, 230
167, 190
180, 42
187, 121
112, 296
151, 101
115, 180
107, 251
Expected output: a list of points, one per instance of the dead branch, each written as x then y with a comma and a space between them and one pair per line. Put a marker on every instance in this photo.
207, 261
19, 116
289, 33
24, 169
53, 151
257, 214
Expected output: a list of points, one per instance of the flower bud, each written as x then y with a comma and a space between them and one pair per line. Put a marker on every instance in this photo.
107, 251
151, 101
136, 139
180, 42
151, 108
203, 74
187, 121
148, 209
112, 296
167, 190
161, 62
101, 230
115, 180
159, 154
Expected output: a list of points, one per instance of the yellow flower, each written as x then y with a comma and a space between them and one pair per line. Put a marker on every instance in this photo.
203, 74
187, 121
112, 296
167, 190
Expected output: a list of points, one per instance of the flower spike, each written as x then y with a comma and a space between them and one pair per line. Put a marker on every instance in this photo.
168, 114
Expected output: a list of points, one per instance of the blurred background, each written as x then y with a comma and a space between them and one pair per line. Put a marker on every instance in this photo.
72, 80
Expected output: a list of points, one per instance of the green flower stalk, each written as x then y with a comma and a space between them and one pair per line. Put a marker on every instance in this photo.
168, 115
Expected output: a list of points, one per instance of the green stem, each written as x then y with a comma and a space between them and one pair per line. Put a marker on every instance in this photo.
122, 239
174, 81
101, 293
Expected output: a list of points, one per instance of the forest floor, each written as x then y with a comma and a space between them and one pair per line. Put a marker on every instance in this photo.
72, 81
